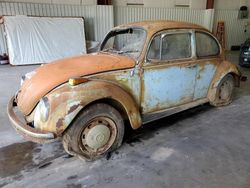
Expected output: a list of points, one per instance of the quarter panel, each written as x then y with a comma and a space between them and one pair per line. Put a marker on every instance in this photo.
205, 74
223, 69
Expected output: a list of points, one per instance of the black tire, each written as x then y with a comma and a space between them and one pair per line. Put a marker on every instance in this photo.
224, 93
91, 129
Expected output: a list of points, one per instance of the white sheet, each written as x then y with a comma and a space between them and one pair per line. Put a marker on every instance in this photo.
35, 40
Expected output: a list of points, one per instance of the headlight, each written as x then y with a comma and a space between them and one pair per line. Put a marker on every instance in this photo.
42, 111
27, 76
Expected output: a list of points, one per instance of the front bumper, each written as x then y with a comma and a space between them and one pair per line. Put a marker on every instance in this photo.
25, 130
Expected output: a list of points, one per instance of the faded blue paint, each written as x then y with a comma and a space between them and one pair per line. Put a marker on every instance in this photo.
131, 82
205, 74
165, 87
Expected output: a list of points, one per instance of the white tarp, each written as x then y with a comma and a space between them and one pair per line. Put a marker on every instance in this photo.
35, 40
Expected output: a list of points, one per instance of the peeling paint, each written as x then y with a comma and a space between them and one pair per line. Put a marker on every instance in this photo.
153, 86
59, 123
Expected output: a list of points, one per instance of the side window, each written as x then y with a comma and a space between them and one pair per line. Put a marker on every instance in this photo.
170, 47
206, 45
154, 50
176, 46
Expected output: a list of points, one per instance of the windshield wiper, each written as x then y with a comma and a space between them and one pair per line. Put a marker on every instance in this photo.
128, 51
120, 52
107, 49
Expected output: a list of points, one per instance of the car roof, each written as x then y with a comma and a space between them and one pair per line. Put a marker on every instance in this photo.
158, 25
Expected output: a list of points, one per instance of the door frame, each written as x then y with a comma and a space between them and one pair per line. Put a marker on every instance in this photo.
185, 62
201, 61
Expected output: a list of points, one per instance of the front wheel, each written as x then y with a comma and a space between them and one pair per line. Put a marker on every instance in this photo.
98, 130
224, 93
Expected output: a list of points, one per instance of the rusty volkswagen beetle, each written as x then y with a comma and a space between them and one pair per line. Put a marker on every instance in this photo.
144, 71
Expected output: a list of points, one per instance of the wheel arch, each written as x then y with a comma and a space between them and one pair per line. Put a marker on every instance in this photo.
225, 68
68, 102
112, 102
236, 79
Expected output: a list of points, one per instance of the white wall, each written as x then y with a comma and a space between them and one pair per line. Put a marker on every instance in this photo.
123, 14
235, 34
98, 20
230, 4
198, 4
159, 3
194, 4
69, 2
234, 28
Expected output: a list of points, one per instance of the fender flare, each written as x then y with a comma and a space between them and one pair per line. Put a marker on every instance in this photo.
67, 101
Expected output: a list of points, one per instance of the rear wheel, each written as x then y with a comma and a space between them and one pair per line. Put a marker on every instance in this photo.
98, 130
224, 93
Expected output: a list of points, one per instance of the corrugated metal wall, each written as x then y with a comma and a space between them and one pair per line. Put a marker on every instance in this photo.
234, 28
98, 19
3, 44
131, 14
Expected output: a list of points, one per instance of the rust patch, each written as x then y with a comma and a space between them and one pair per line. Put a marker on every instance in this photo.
73, 108
52, 75
202, 68
224, 68
59, 123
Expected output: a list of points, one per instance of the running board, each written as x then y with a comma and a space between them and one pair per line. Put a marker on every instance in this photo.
170, 111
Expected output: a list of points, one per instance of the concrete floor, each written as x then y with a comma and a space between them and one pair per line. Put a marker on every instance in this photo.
201, 147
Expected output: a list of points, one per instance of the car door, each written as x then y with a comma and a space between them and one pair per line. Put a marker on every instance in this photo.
208, 58
169, 71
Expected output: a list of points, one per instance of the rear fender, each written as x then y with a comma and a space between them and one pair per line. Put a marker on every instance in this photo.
223, 69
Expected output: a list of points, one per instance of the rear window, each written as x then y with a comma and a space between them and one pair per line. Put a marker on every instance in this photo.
206, 45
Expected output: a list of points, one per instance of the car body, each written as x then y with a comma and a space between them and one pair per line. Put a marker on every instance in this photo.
144, 71
244, 59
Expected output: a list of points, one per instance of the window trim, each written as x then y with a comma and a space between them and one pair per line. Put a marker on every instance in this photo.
163, 34
124, 28
211, 36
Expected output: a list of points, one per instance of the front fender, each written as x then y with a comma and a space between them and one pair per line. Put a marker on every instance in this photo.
67, 101
222, 70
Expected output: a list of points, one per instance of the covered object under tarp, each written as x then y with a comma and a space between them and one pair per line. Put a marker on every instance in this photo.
36, 40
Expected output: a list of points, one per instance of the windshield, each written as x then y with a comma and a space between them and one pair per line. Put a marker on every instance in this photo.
126, 41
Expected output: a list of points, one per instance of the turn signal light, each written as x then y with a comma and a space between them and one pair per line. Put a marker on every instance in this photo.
77, 81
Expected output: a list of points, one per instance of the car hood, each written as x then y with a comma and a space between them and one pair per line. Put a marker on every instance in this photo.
49, 76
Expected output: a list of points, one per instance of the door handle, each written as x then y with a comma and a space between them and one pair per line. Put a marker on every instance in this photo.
191, 66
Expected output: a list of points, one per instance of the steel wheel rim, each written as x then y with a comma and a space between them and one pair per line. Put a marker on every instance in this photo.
225, 91
89, 132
